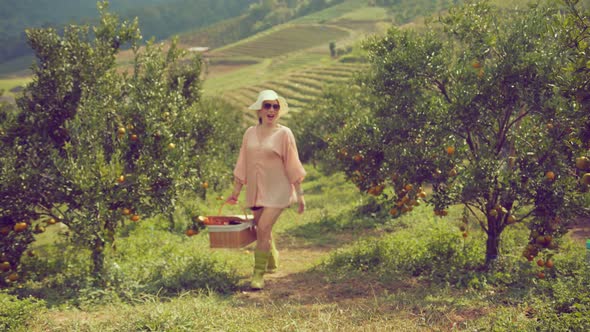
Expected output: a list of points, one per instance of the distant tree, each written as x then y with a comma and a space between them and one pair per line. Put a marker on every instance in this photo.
332, 49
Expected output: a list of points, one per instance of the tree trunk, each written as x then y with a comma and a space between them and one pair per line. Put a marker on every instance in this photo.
98, 261
171, 221
492, 243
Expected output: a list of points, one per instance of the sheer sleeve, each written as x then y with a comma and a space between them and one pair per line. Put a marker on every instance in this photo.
293, 166
240, 169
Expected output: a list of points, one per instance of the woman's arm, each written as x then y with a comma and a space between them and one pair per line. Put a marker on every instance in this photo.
300, 198
233, 198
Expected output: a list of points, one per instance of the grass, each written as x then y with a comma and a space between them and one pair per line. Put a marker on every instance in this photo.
8, 84
366, 14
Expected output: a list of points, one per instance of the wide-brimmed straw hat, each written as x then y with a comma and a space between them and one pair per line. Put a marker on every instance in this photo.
270, 95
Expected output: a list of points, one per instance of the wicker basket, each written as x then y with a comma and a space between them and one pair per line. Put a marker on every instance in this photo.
232, 236
230, 231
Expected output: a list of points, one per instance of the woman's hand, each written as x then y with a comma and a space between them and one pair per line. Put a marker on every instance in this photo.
301, 202
232, 199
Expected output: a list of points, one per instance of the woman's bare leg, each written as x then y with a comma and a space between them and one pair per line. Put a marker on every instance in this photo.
268, 217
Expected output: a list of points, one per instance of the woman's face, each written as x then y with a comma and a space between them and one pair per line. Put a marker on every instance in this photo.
269, 113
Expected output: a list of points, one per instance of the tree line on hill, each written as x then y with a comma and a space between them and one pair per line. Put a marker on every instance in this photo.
158, 18
406, 10
259, 17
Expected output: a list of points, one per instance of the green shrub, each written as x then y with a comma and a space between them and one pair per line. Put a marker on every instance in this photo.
154, 261
435, 251
15, 312
149, 259
56, 273
562, 300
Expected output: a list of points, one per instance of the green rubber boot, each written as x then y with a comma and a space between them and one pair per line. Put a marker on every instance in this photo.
273, 259
260, 262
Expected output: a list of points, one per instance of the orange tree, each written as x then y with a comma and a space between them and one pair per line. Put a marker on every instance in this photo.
481, 107
95, 147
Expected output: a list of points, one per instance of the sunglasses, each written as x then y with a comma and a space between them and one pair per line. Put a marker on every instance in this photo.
268, 106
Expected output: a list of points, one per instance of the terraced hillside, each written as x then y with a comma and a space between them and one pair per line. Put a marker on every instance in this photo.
300, 88
293, 59
286, 40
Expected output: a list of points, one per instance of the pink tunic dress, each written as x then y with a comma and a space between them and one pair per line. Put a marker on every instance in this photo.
269, 168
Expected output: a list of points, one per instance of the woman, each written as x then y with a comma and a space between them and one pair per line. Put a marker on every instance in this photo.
269, 166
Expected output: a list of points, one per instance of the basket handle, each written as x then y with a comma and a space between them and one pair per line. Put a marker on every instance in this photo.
243, 210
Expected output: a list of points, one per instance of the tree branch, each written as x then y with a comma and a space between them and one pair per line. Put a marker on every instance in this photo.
481, 222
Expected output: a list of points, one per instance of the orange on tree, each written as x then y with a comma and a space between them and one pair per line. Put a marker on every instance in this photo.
583, 163
540, 262
510, 219
450, 150
405, 199
358, 157
480, 73
541, 275
4, 266
205, 185
440, 213
376, 190
135, 217
125, 211
550, 175
121, 179
585, 179
51, 221
549, 264
343, 152
12, 277
191, 232
20, 226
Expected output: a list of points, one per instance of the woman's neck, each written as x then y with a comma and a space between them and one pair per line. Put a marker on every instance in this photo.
269, 125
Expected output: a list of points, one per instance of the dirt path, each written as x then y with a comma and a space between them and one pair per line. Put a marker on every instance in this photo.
296, 281
580, 230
